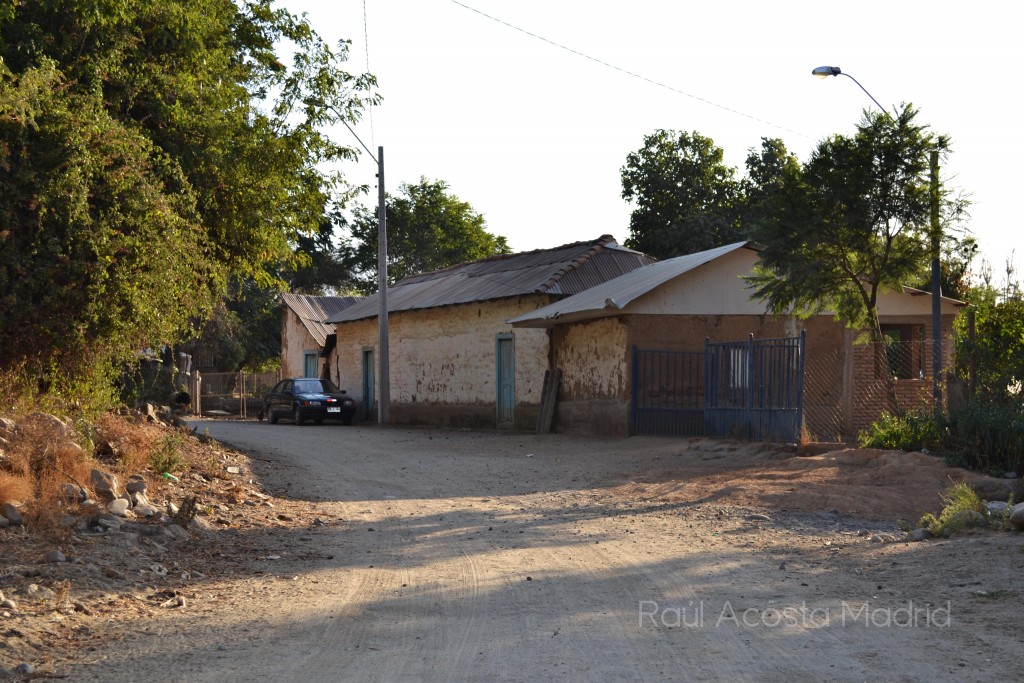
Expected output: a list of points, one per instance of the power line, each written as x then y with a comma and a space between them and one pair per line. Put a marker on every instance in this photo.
627, 72
366, 48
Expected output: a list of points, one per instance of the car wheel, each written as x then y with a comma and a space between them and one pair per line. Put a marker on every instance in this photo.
346, 420
297, 416
272, 417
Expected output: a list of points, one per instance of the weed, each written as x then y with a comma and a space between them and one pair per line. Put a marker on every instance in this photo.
186, 513
166, 456
960, 507
906, 432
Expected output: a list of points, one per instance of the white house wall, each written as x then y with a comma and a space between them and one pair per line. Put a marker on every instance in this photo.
295, 342
443, 362
718, 288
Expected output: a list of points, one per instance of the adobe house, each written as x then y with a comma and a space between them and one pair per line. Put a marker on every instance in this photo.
454, 360
306, 336
680, 303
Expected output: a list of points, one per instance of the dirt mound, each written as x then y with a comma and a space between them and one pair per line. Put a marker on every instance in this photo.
873, 484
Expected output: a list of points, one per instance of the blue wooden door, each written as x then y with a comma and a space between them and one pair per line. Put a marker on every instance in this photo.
506, 380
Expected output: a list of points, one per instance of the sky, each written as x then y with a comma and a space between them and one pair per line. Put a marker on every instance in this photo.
534, 135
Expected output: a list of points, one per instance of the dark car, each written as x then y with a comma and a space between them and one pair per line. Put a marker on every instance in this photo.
307, 398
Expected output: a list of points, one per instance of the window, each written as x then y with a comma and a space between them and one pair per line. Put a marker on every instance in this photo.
904, 349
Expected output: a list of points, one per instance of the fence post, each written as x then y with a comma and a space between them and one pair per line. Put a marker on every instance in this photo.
196, 390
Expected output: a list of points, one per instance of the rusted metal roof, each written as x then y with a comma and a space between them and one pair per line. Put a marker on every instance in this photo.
561, 271
314, 311
613, 295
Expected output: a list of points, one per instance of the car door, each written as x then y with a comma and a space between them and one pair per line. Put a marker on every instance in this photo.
281, 398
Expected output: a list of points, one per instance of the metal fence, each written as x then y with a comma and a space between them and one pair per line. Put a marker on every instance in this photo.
230, 394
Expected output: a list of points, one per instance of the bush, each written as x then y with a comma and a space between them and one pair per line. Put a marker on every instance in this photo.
989, 435
909, 432
961, 507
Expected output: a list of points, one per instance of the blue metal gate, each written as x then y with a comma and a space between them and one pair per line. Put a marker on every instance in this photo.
668, 392
751, 389
755, 389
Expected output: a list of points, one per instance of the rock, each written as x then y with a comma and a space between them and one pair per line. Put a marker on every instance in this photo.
997, 507
104, 484
38, 592
917, 535
68, 521
136, 484
112, 573
1017, 516
178, 533
968, 518
54, 556
758, 518
50, 423
145, 510
73, 493
107, 521
138, 498
7, 603
997, 488
877, 539
1010, 475
231, 469
118, 507
7, 427
24, 669
4, 522
12, 514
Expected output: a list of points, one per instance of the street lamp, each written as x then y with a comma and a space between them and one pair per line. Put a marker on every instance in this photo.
383, 363
936, 233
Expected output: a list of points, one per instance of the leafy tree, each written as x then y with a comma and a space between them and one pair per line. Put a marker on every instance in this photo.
998, 346
427, 229
151, 153
851, 221
686, 199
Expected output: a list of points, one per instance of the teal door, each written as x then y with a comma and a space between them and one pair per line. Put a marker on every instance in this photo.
368, 382
506, 380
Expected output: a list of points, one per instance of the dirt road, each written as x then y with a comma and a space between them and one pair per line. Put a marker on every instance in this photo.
468, 556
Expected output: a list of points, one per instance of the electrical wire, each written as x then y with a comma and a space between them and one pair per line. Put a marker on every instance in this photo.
627, 72
366, 47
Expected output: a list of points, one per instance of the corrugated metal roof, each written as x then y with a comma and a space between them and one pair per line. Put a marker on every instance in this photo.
563, 270
314, 311
609, 297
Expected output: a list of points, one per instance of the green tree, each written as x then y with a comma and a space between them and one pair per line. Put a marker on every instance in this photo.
850, 222
998, 346
151, 153
428, 228
685, 198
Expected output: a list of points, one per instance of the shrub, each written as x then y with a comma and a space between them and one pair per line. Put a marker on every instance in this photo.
909, 432
166, 456
960, 504
989, 435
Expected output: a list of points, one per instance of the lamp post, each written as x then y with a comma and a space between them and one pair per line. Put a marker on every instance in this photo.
936, 235
383, 363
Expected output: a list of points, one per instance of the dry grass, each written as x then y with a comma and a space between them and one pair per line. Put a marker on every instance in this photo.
15, 488
43, 455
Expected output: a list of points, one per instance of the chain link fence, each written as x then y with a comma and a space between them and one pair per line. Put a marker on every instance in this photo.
230, 394
849, 387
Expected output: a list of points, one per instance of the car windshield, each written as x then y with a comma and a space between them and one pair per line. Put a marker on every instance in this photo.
314, 386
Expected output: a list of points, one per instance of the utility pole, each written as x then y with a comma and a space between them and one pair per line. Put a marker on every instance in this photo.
384, 396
